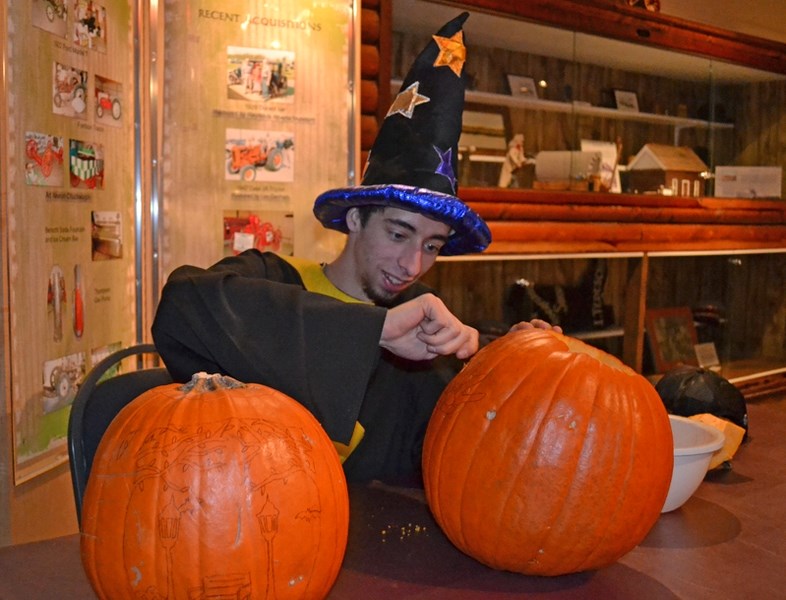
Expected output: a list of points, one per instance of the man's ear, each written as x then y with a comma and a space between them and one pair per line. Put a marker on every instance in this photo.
353, 219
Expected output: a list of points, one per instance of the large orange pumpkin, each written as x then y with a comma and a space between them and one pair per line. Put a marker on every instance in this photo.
214, 489
547, 456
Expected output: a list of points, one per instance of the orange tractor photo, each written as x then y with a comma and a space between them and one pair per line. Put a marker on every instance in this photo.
246, 158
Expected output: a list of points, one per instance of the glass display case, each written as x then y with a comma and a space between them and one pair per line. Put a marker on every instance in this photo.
621, 122
737, 304
721, 310
570, 110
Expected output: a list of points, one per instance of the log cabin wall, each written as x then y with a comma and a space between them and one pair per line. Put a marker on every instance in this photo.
375, 19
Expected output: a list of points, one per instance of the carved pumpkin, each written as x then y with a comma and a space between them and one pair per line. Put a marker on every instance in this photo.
210, 490
546, 456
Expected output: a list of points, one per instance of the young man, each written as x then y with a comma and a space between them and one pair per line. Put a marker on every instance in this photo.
358, 340
314, 332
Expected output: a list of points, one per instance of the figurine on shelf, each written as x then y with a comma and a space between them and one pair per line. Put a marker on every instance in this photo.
514, 160
611, 182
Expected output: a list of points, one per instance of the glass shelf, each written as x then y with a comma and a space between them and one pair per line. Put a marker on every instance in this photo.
580, 108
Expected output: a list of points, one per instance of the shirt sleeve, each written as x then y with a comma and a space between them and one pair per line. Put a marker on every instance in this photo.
249, 318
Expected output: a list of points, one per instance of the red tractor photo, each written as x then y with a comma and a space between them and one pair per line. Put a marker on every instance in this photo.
106, 103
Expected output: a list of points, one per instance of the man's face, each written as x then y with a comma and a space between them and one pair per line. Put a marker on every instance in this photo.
393, 249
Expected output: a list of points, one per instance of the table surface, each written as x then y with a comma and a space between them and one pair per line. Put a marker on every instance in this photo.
726, 543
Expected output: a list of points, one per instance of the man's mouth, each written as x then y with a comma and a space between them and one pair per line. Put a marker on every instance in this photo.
394, 283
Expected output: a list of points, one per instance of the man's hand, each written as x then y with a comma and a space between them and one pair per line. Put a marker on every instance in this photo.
424, 328
534, 324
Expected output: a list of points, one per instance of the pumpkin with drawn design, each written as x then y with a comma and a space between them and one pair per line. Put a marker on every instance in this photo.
547, 456
214, 489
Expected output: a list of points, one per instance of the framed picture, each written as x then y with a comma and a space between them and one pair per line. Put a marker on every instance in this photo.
672, 337
626, 100
522, 87
707, 355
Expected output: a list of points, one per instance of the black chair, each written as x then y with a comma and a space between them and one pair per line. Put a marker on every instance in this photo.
96, 404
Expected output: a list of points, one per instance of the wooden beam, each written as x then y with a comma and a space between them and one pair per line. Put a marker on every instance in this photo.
633, 317
621, 22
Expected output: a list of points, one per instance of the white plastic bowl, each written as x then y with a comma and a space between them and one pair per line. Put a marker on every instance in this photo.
694, 445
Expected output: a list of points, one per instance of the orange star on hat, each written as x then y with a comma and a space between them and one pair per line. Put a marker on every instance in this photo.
452, 52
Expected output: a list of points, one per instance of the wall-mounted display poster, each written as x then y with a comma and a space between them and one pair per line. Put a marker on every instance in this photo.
69, 195
258, 109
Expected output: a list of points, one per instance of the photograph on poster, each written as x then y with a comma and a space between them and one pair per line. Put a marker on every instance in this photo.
86, 163
43, 159
106, 234
260, 75
89, 25
50, 15
108, 101
61, 377
56, 299
259, 155
265, 230
69, 91
43, 420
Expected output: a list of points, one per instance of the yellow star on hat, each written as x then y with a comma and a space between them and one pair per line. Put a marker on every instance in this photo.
452, 52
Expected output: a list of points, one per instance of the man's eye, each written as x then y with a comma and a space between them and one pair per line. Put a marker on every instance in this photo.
433, 248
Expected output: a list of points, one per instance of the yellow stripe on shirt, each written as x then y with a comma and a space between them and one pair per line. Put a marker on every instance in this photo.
315, 280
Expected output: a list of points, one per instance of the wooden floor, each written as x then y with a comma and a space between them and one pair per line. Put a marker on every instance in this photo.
729, 540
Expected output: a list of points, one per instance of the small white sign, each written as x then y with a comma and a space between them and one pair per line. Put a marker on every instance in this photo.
609, 162
707, 355
748, 182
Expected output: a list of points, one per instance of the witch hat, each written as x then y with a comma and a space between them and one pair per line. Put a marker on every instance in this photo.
414, 160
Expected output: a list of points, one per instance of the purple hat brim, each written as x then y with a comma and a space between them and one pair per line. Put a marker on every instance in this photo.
470, 232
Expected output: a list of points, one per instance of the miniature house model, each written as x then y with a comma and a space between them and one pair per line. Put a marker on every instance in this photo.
675, 170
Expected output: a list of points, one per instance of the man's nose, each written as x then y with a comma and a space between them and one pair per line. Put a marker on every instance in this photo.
411, 262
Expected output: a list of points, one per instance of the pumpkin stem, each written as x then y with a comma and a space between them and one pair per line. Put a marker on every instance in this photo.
204, 382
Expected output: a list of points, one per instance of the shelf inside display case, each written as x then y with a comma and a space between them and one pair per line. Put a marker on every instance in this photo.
583, 109
599, 334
